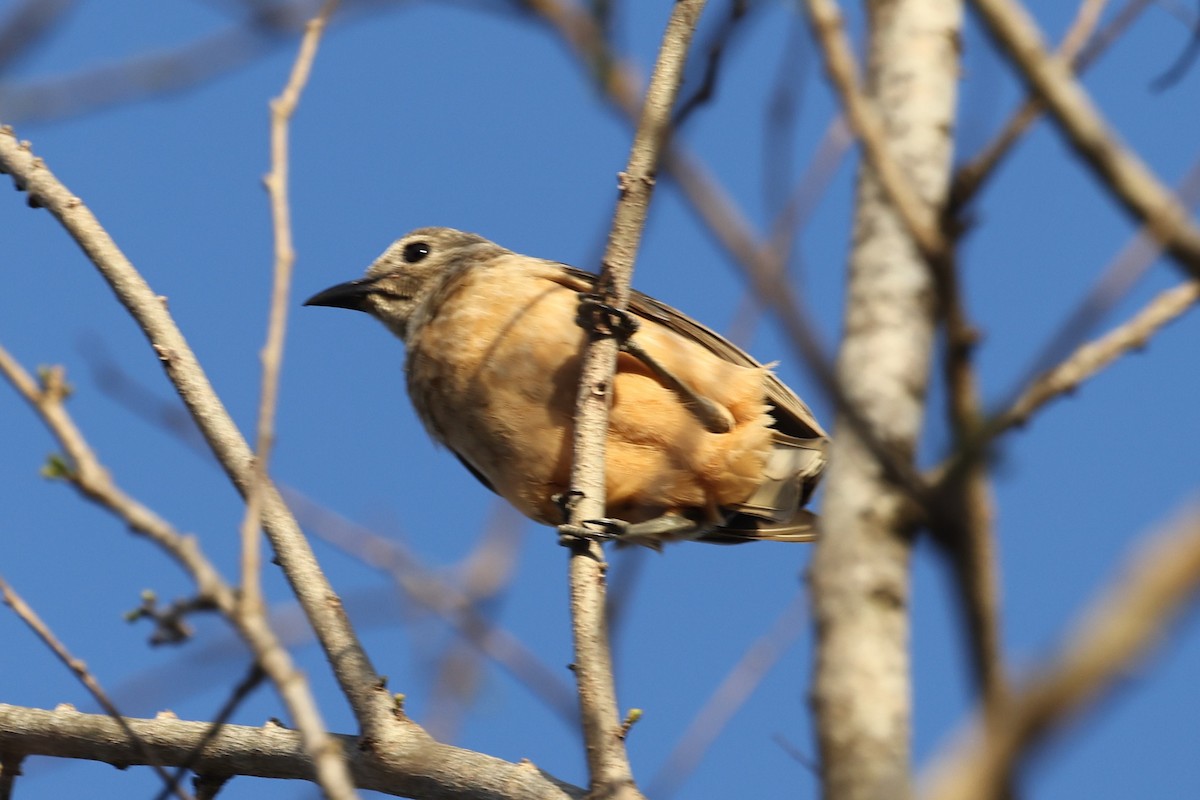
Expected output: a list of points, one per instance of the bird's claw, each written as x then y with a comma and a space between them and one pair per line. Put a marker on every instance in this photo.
592, 530
603, 319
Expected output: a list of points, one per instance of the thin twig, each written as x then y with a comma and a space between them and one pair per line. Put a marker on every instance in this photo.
1118, 628
608, 762
1094, 356
1127, 178
85, 676
715, 51
282, 109
86, 474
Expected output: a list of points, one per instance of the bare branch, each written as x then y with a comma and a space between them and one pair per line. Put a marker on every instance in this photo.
90, 478
970, 177
26, 25
608, 762
963, 522
1121, 625
282, 108
272, 751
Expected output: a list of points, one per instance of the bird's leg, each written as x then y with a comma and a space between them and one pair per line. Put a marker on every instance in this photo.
605, 320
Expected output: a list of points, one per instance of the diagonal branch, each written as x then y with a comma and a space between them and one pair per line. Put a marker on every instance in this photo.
917, 214
970, 177
356, 676
1123, 173
1094, 356
1121, 625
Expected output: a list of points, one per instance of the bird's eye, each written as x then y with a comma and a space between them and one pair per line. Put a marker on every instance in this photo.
415, 251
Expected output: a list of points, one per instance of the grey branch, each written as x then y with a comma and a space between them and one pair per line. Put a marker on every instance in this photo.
431, 770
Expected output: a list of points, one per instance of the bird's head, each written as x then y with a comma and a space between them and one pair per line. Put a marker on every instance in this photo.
403, 285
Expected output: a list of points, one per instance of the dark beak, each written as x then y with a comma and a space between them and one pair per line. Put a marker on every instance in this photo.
352, 295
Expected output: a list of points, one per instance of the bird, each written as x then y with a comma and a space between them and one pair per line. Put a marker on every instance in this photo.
704, 443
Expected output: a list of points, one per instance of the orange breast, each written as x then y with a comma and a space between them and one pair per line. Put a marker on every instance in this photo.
495, 373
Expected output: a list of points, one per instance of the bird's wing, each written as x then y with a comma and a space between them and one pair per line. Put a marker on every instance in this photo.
792, 417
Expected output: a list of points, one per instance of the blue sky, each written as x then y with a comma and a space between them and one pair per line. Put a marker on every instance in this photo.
436, 114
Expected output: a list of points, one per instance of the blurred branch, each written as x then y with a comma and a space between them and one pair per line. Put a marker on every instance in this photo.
27, 25
1121, 171
781, 117
454, 605
263, 27
245, 687
963, 522
84, 675
485, 576
733, 692
1058, 371
714, 50
608, 762
1184, 61
1121, 625
917, 214
970, 177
